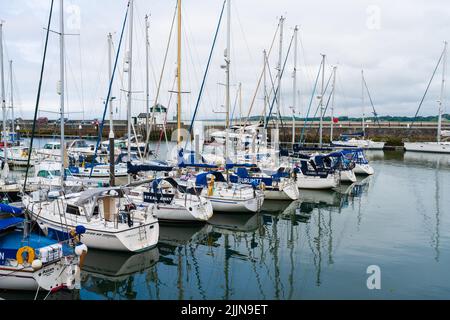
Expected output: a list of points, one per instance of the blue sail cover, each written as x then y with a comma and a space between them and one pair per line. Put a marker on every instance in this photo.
134, 169
230, 166
10, 209
202, 178
182, 163
243, 177
9, 223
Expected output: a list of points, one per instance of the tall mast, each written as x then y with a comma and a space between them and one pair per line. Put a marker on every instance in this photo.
441, 102
111, 117
265, 84
11, 86
2, 76
363, 107
179, 76
321, 101
228, 61
280, 58
147, 74
294, 76
130, 78
332, 104
62, 87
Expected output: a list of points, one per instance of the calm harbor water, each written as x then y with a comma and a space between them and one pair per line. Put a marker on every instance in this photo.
317, 248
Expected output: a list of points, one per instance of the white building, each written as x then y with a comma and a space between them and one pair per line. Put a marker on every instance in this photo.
159, 113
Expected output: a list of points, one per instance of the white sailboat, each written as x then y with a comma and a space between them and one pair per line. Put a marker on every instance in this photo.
224, 196
166, 202
111, 220
29, 262
439, 146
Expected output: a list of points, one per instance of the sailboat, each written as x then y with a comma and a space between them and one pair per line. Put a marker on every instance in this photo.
440, 146
31, 261
111, 220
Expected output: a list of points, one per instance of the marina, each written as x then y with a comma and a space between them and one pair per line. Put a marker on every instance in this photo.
275, 191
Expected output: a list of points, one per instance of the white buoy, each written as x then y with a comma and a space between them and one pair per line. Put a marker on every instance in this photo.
36, 264
80, 249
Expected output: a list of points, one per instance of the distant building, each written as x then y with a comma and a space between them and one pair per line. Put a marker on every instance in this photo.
159, 113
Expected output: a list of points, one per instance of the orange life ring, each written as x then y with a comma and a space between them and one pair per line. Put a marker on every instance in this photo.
19, 255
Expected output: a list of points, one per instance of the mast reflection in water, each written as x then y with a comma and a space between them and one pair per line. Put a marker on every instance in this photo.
318, 247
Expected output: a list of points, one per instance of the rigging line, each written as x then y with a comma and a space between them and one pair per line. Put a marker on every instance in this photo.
262, 74
236, 11
206, 71
38, 98
428, 87
272, 87
371, 102
100, 133
234, 107
281, 76
310, 104
81, 75
324, 93
326, 108
158, 91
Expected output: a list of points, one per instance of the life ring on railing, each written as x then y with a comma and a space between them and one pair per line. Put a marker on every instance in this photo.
19, 255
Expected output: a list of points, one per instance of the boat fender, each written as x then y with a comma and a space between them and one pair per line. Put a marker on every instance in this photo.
80, 249
211, 187
36, 264
262, 186
21, 251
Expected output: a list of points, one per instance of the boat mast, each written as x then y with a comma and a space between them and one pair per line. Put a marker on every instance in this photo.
294, 76
5, 138
61, 87
179, 76
441, 109
332, 104
147, 74
130, 78
321, 101
280, 58
265, 84
362, 101
111, 118
228, 61
11, 86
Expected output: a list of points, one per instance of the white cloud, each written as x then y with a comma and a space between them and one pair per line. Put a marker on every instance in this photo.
398, 57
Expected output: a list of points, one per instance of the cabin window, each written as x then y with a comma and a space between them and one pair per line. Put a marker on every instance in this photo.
73, 210
43, 174
95, 213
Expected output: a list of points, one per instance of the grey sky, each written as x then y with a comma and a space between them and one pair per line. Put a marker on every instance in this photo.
398, 50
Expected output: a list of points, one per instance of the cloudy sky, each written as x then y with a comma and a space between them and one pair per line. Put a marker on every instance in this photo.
397, 43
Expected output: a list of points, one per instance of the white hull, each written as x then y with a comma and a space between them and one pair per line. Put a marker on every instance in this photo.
50, 277
99, 235
347, 176
198, 213
135, 239
236, 205
363, 144
288, 192
364, 169
315, 182
433, 147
